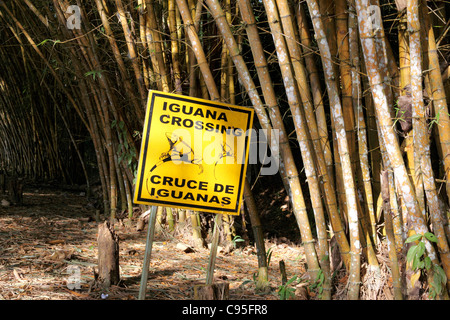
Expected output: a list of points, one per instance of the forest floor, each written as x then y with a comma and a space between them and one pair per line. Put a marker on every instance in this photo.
53, 236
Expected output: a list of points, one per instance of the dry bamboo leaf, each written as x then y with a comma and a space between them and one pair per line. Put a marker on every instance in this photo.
57, 241
388, 293
344, 279
59, 255
18, 275
301, 292
184, 247
414, 278
76, 293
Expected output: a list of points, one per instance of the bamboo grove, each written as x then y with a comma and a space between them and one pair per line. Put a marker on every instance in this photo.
356, 89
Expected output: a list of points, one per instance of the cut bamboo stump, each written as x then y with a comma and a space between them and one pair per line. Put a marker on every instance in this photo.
2, 183
216, 291
15, 190
283, 272
108, 256
210, 290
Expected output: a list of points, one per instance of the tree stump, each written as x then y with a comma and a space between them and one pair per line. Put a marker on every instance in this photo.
2, 182
216, 291
108, 256
15, 190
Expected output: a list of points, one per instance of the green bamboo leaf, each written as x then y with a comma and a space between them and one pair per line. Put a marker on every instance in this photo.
46, 40
420, 250
420, 264
416, 263
93, 73
291, 280
427, 262
437, 281
430, 236
413, 238
411, 253
246, 282
441, 273
432, 295
43, 42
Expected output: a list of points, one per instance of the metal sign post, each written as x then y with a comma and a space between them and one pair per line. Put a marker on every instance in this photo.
148, 252
213, 252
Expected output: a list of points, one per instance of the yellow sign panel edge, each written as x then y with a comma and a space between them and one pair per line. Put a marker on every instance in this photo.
138, 199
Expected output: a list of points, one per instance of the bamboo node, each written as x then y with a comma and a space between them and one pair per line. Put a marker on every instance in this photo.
354, 283
292, 176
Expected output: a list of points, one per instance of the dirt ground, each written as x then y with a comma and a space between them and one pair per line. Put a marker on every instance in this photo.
52, 236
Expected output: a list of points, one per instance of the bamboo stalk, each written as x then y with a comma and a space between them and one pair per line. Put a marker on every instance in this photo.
417, 221
396, 280
383, 113
197, 47
287, 47
319, 109
359, 116
174, 46
231, 77
170, 219
196, 230
119, 59
105, 96
35, 47
439, 99
263, 272
156, 40
213, 250
193, 81
43, 19
422, 141
328, 184
52, 149
327, 12
336, 110
147, 71
343, 47
405, 80
224, 62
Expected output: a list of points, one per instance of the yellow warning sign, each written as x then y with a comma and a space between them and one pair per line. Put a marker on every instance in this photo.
194, 154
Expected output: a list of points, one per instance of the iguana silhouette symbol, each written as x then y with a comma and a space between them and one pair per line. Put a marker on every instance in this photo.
177, 152
226, 152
